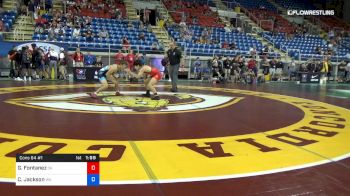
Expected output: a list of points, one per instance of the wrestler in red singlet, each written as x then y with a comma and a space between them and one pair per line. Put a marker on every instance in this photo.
155, 73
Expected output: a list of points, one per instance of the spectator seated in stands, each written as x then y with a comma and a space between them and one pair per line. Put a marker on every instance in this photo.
232, 46
142, 36
2, 26
103, 33
205, 33
39, 29
52, 34
155, 46
318, 50
182, 26
187, 35
225, 45
228, 29
214, 41
125, 44
76, 32
89, 35
60, 30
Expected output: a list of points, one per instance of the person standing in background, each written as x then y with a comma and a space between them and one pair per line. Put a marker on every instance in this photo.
119, 57
12, 58
174, 55
41, 64
78, 58
227, 68
62, 60
26, 59
130, 59
197, 68
347, 72
325, 69
35, 60
53, 58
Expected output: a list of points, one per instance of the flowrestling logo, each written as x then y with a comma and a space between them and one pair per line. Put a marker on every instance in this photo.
310, 12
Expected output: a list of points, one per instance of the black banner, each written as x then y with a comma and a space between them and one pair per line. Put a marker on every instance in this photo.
57, 158
310, 78
85, 73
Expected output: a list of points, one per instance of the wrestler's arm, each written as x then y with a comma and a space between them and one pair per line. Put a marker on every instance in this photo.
140, 74
110, 73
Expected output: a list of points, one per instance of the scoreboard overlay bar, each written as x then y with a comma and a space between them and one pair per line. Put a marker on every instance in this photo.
57, 170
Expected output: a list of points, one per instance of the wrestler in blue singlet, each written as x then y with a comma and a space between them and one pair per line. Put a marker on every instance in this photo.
102, 73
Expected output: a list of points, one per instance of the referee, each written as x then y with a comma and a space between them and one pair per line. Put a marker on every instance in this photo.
174, 56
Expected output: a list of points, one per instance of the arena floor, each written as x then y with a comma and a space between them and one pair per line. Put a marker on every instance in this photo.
233, 139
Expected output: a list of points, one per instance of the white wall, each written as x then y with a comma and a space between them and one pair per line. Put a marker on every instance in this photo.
143, 4
224, 13
296, 19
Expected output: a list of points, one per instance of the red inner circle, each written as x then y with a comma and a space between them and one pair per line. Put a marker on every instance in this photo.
250, 115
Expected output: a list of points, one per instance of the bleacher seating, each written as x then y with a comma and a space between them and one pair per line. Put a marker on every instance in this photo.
296, 4
202, 2
117, 29
281, 24
306, 45
256, 4
100, 13
205, 16
8, 18
346, 42
263, 10
331, 22
242, 41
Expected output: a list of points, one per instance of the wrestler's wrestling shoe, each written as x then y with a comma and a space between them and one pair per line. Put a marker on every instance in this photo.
147, 94
93, 95
118, 94
155, 97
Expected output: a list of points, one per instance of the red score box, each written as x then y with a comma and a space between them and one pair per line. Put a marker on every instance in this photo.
93, 167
